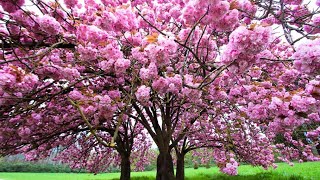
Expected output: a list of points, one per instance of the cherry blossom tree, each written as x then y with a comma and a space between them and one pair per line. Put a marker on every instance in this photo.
78, 141
202, 136
94, 75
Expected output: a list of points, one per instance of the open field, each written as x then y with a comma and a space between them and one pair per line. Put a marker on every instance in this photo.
309, 170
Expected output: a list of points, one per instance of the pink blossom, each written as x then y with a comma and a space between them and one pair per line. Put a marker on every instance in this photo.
24, 132
289, 76
143, 95
107, 65
87, 53
310, 28
11, 5
75, 95
250, 41
160, 85
313, 89
150, 73
6, 79
229, 21
71, 73
71, 3
307, 57
294, 2
49, 25
92, 34
121, 65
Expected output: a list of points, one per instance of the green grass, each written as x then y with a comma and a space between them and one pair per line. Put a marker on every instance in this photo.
309, 170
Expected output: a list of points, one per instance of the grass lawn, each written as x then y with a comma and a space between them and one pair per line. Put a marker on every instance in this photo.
308, 170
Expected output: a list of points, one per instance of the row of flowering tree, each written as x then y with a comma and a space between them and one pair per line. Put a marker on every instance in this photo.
99, 79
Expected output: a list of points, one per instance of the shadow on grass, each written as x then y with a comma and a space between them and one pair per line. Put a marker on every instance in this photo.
139, 178
259, 176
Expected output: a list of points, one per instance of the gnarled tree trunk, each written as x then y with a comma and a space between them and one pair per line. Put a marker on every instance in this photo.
165, 166
125, 167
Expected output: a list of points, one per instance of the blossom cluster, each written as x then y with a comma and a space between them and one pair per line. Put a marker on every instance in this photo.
15, 83
11, 5
307, 57
244, 44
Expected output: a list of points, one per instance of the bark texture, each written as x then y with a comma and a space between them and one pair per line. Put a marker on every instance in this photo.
125, 167
165, 167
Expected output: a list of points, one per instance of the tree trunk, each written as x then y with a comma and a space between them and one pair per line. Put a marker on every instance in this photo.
125, 167
165, 166
180, 166
318, 148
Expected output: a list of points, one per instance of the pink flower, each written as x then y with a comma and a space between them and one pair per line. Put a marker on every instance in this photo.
75, 95
121, 65
49, 25
6, 79
23, 132
302, 104
160, 85
150, 73
92, 34
87, 53
105, 100
143, 95
70, 73
307, 57
70, 3
288, 76
293, 2
11, 5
